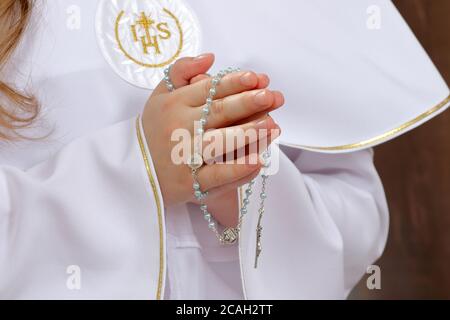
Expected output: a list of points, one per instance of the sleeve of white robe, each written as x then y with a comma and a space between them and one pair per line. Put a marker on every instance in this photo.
325, 222
85, 224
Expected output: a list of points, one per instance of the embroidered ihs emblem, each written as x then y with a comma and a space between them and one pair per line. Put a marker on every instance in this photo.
140, 38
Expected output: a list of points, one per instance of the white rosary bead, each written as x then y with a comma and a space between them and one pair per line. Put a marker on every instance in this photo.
166, 79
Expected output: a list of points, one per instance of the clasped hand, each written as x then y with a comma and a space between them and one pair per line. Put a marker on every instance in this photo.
242, 102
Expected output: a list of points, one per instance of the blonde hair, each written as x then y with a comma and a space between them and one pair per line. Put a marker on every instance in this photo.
17, 109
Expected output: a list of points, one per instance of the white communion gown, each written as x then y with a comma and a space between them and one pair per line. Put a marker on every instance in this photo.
86, 195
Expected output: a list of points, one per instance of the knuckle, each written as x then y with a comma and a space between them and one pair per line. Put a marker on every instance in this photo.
247, 100
236, 78
179, 65
217, 108
206, 87
251, 79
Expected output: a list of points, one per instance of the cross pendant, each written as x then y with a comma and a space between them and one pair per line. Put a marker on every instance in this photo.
258, 245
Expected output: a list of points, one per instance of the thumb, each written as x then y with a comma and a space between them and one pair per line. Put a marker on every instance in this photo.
184, 69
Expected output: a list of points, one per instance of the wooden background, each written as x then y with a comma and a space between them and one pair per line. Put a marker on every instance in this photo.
415, 170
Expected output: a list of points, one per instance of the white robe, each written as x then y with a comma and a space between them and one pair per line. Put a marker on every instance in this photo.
84, 197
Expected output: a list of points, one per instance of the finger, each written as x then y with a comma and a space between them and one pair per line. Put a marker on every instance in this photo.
226, 111
195, 95
226, 219
218, 191
222, 141
278, 102
263, 80
255, 148
198, 78
184, 69
233, 186
217, 175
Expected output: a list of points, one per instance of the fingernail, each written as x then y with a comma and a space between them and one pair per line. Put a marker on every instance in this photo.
262, 124
202, 56
275, 133
247, 79
261, 98
254, 164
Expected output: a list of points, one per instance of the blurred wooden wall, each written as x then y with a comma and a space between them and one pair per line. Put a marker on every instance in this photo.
415, 170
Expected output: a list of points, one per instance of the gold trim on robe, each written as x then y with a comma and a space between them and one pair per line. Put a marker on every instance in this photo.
382, 137
158, 206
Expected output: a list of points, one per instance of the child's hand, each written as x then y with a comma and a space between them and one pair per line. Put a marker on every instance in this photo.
241, 102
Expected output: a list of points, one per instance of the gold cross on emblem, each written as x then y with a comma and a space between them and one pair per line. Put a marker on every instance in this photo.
146, 24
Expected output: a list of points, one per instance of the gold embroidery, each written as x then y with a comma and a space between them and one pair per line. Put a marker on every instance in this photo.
158, 206
382, 137
148, 40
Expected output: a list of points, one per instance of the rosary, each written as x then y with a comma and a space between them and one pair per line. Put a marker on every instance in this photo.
229, 235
